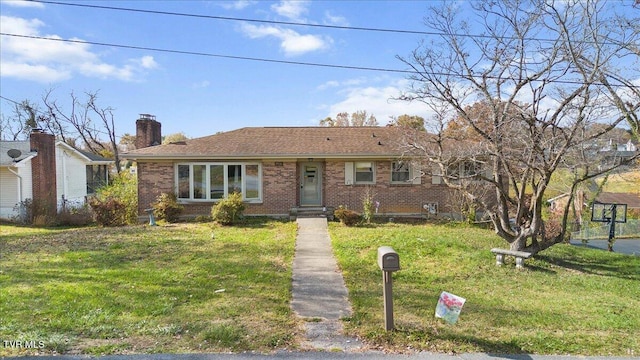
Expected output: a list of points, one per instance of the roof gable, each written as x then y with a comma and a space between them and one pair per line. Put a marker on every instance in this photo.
264, 142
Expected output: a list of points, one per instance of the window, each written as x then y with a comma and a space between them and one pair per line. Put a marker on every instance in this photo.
214, 181
96, 177
400, 172
183, 182
364, 172
464, 170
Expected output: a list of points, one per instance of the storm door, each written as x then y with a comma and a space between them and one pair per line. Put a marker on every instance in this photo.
310, 184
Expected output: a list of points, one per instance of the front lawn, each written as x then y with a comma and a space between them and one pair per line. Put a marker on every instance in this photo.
178, 288
568, 300
200, 288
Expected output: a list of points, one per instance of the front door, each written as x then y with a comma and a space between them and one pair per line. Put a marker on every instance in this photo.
310, 184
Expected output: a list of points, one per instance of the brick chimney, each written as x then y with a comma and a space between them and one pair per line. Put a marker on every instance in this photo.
43, 171
148, 131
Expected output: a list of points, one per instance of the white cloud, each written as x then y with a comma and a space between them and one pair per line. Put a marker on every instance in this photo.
378, 100
346, 83
237, 5
292, 9
23, 4
50, 60
331, 19
148, 62
291, 42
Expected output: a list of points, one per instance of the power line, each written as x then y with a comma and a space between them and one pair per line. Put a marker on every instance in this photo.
198, 53
286, 62
292, 23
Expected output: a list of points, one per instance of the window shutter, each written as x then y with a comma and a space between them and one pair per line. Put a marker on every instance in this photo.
348, 173
415, 174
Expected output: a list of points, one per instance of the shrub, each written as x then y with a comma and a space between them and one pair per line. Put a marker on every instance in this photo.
166, 207
367, 205
109, 212
32, 212
75, 216
123, 190
346, 216
228, 210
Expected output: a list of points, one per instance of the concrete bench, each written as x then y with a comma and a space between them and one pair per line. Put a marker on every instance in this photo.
519, 255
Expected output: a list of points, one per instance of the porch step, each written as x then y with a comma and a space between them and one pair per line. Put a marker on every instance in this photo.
307, 212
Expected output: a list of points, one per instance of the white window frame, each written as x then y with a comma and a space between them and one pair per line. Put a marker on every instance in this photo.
415, 176
207, 181
373, 172
398, 164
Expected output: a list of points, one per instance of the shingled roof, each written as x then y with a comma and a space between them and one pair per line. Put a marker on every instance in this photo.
282, 142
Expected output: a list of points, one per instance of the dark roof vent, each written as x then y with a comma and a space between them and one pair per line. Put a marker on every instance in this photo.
373, 135
379, 142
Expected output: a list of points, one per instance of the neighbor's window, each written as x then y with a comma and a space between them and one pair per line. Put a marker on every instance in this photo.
400, 172
214, 181
364, 172
97, 177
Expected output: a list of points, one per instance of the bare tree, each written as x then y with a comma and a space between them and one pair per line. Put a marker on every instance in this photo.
544, 72
408, 121
358, 118
84, 120
18, 125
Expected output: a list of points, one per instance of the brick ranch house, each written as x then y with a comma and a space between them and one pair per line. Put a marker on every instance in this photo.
283, 171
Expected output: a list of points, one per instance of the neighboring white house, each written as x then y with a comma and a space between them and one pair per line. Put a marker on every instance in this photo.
77, 175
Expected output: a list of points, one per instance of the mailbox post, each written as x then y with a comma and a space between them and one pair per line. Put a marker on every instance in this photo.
388, 261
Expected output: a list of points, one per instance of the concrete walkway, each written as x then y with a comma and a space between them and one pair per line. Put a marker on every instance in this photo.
319, 294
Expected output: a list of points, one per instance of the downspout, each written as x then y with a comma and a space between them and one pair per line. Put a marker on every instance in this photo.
65, 191
19, 183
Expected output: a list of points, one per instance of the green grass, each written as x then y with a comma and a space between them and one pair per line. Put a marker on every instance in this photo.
626, 182
177, 289
568, 300
148, 289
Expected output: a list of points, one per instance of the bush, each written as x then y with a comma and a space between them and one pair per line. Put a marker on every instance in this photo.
33, 212
75, 216
228, 210
109, 212
346, 216
166, 207
121, 194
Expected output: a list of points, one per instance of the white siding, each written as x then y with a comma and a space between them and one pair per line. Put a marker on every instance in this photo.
71, 178
10, 189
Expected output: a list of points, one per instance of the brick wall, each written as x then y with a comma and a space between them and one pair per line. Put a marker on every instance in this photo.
154, 178
394, 198
278, 194
43, 171
280, 190
279, 187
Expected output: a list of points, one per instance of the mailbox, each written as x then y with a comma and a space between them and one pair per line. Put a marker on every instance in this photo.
388, 259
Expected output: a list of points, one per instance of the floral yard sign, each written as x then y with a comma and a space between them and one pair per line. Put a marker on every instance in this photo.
449, 307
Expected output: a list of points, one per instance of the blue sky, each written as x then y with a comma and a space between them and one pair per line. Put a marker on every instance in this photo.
201, 95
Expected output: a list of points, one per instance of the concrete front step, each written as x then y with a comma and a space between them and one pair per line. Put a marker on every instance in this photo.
310, 212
